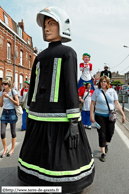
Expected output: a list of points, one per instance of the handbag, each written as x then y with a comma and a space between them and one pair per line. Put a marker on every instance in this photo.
18, 109
112, 113
81, 104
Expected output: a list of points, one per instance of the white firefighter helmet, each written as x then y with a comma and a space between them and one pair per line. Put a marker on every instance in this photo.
61, 17
105, 66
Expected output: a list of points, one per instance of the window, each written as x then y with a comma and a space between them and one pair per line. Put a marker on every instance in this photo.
6, 19
21, 57
29, 62
21, 81
28, 41
19, 31
8, 51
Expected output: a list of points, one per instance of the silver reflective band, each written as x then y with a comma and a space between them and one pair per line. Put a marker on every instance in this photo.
48, 114
53, 80
74, 110
37, 81
27, 107
52, 179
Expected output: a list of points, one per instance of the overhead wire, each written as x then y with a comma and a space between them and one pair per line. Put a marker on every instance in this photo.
120, 62
124, 69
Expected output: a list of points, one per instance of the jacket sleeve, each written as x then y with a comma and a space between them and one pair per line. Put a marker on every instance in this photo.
32, 83
70, 82
91, 70
81, 66
110, 75
101, 73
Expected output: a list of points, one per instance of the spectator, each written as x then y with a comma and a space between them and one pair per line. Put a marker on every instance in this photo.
24, 99
102, 113
117, 88
14, 87
106, 72
86, 100
8, 115
82, 88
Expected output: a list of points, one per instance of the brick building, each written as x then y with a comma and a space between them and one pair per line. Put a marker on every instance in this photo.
16, 47
127, 78
117, 77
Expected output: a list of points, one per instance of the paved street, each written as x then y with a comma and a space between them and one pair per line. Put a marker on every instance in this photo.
111, 177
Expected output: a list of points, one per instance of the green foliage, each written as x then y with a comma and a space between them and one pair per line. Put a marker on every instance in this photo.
115, 83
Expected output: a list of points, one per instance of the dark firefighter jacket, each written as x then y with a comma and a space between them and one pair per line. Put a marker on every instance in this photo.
53, 92
107, 73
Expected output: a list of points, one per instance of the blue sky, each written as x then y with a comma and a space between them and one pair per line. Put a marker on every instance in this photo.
100, 28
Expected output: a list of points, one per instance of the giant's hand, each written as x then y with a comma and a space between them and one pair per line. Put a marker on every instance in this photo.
73, 133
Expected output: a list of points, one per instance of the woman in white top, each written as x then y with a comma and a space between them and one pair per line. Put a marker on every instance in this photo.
99, 104
86, 100
8, 114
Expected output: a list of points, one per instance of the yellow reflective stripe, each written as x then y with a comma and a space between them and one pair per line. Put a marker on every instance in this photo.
57, 173
53, 119
74, 115
57, 80
27, 110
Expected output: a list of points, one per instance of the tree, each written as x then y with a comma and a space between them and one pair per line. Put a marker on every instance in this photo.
115, 83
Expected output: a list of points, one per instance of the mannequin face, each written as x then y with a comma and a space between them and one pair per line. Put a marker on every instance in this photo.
106, 68
86, 59
52, 30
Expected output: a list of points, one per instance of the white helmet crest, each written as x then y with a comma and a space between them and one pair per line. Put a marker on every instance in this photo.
61, 17
105, 66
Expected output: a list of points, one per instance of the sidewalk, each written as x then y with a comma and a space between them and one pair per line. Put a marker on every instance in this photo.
123, 126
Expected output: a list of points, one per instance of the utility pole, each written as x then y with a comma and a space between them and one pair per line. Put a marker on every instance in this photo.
14, 57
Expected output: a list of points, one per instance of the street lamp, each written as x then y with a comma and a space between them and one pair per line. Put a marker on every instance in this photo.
125, 46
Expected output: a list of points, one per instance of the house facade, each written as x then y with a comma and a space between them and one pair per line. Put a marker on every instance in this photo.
16, 51
127, 78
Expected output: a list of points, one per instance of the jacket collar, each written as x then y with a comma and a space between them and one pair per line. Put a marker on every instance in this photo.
53, 44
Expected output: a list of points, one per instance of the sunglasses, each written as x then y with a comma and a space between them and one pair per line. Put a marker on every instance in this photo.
4, 83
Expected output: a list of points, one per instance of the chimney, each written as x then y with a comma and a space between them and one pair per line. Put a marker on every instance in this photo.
35, 50
21, 24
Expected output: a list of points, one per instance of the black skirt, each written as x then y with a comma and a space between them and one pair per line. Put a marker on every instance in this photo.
46, 160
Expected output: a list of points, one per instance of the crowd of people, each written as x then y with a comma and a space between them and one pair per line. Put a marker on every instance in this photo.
56, 150
97, 106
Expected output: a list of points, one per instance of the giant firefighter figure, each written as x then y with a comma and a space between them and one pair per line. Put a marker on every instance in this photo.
55, 151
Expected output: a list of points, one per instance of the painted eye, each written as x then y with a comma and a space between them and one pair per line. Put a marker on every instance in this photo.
52, 24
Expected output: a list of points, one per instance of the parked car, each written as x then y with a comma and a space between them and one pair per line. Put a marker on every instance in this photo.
125, 90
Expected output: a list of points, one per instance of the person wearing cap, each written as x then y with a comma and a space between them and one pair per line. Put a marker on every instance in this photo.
85, 98
24, 92
82, 88
55, 151
86, 69
106, 72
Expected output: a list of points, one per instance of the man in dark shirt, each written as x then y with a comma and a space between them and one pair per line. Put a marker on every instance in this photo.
106, 72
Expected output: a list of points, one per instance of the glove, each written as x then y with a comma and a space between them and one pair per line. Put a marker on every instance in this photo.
73, 133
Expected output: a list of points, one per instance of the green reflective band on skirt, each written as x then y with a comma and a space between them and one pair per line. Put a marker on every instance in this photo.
51, 119
57, 173
57, 80
27, 110
74, 115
